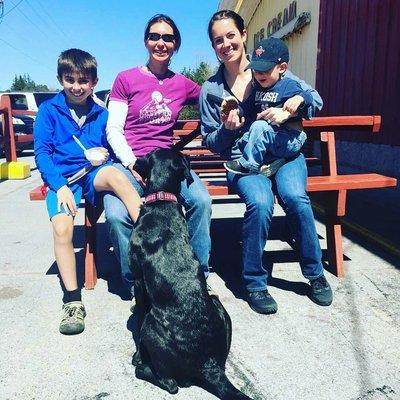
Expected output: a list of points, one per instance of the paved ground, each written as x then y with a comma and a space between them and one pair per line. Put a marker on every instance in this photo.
348, 351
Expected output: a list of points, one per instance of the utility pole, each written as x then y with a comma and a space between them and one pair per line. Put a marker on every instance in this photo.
1, 10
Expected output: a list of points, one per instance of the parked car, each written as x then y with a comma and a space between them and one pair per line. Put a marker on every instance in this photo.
27, 101
23, 125
21, 103
104, 96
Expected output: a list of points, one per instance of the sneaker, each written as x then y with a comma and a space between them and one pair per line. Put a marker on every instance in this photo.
237, 168
321, 292
72, 321
262, 302
271, 168
133, 305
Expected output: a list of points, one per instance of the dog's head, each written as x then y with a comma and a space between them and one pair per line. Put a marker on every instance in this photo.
164, 170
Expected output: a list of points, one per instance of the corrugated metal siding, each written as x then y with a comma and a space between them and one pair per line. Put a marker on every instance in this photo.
358, 64
302, 46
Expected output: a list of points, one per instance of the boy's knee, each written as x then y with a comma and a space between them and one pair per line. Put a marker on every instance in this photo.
62, 229
117, 178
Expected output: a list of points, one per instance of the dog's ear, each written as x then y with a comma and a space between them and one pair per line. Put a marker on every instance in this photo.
142, 167
186, 170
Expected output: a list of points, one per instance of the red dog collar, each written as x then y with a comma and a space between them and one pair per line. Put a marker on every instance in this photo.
160, 196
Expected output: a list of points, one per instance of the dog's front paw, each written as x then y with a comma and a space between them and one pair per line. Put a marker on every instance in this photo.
169, 385
136, 359
145, 373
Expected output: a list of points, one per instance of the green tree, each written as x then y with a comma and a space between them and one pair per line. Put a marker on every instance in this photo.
41, 88
199, 75
24, 83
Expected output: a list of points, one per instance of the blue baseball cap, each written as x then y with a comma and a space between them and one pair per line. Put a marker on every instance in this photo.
268, 53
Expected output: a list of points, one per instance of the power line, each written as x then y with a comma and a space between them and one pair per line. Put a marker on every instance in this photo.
1, 9
46, 20
8, 12
49, 36
60, 30
33, 23
26, 55
43, 20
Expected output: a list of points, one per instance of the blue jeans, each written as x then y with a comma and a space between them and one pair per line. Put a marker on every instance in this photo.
197, 204
257, 191
265, 142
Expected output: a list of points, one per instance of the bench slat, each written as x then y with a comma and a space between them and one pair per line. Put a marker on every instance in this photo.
219, 187
371, 123
348, 181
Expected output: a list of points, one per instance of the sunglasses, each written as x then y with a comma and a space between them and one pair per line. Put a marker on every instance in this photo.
155, 37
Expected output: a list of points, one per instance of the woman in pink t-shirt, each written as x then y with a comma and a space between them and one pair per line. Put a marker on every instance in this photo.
144, 105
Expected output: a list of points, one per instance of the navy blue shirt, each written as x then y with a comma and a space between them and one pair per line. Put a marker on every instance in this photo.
277, 94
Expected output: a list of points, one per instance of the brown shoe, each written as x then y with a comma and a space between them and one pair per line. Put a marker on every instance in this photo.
72, 321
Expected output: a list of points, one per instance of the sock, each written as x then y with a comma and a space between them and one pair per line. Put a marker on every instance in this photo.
72, 295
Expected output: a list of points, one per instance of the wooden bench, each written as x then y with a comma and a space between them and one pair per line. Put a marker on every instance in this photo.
333, 185
209, 166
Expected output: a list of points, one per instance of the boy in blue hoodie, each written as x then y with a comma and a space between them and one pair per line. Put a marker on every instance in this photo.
71, 153
265, 143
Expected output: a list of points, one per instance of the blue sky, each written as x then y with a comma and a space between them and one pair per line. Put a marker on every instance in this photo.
33, 34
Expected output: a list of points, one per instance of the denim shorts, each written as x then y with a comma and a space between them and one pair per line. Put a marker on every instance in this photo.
84, 187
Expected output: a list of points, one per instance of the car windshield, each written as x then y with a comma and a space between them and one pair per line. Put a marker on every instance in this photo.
102, 94
18, 102
41, 97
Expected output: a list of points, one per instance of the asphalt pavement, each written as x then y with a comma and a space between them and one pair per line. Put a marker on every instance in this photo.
348, 351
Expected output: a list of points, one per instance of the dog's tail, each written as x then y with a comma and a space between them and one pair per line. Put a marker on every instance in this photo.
215, 381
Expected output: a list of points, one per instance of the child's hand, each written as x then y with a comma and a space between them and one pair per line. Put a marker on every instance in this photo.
105, 154
274, 115
234, 121
97, 155
66, 199
293, 103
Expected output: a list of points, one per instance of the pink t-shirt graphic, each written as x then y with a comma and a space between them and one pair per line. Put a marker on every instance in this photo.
153, 106
156, 111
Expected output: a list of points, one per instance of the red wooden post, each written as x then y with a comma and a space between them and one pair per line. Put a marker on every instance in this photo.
90, 246
8, 129
335, 208
328, 153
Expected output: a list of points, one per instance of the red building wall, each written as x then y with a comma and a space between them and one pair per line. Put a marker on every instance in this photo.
358, 63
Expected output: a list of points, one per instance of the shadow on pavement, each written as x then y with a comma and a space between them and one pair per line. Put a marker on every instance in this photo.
226, 255
107, 266
373, 247
368, 224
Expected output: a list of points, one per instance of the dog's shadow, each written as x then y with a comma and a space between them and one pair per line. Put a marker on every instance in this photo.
226, 255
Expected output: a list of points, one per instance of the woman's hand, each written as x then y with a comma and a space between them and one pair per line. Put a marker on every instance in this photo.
233, 121
136, 175
274, 115
66, 199
293, 104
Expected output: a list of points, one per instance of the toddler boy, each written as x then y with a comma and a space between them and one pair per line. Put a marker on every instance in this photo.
265, 146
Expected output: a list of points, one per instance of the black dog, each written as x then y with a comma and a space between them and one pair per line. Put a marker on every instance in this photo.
184, 333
